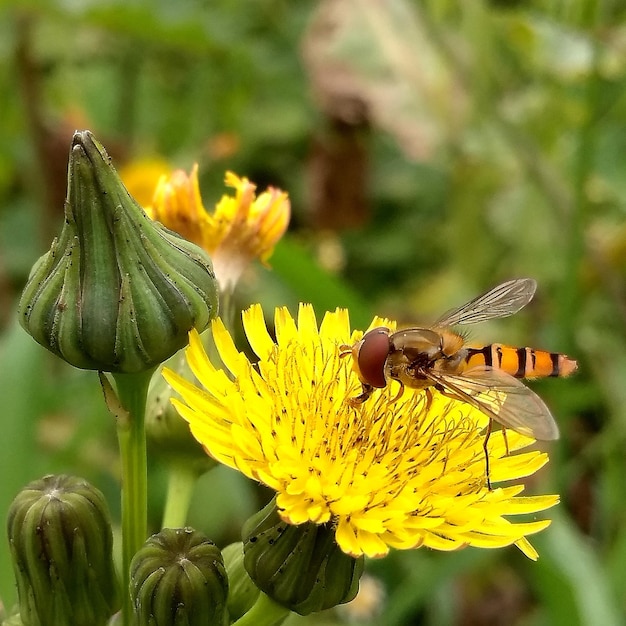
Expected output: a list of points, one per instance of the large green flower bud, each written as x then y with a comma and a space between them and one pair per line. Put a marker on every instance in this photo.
61, 542
116, 292
242, 592
178, 579
167, 432
300, 567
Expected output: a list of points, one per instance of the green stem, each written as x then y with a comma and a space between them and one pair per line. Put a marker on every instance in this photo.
227, 308
264, 612
180, 484
132, 391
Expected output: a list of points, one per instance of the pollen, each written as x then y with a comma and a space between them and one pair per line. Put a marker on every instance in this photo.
386, 474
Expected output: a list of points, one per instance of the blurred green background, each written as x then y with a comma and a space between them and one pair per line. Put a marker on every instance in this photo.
431, 150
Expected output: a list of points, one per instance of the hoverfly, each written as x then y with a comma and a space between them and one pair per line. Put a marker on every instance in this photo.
484, 377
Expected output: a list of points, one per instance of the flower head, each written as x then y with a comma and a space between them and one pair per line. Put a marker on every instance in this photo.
386, 474
240, 229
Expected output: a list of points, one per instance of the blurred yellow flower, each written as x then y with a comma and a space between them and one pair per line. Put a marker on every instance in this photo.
177, 204
245, 227
387, 474
240, 229
368, 603
140, 177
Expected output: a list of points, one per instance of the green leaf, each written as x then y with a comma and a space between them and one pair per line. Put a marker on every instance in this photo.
569, 563
293, 263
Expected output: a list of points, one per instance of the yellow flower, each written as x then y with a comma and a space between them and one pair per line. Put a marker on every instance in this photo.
240, 228
387, 474
141, 176
177, 204
245, 227
368, 602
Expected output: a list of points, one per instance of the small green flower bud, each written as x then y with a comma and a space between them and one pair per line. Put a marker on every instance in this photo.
300, 567
61, 542
13, 620
117, 292
167, 432
242, 592
116, 620
178, 579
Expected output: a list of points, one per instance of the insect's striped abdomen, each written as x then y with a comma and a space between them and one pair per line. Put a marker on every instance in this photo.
521, 362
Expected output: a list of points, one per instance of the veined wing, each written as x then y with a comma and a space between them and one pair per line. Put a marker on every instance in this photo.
501, 301
501, 397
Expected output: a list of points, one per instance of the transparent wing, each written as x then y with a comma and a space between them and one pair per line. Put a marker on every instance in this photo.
501, 301
502, 398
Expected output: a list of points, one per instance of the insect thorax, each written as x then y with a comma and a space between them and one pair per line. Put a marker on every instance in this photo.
416, 351
412, 351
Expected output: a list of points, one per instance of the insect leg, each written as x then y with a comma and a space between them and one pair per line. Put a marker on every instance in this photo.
399, 394
485, 441
429, 399
344, 350
362, 397
506, 441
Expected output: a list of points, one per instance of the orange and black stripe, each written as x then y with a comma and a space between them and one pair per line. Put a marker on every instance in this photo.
521, 362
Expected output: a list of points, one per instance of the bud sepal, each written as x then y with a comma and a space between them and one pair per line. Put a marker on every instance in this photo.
300, 567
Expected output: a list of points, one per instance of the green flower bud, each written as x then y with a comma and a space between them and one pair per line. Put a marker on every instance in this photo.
117, 292
116, 620
242, 592
13, 620
61, 542
300, 567
178, 579
167, 432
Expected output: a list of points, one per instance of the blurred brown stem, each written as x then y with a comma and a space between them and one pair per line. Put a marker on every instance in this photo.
29, 82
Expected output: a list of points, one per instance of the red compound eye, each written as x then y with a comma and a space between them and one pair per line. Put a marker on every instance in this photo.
373, 352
